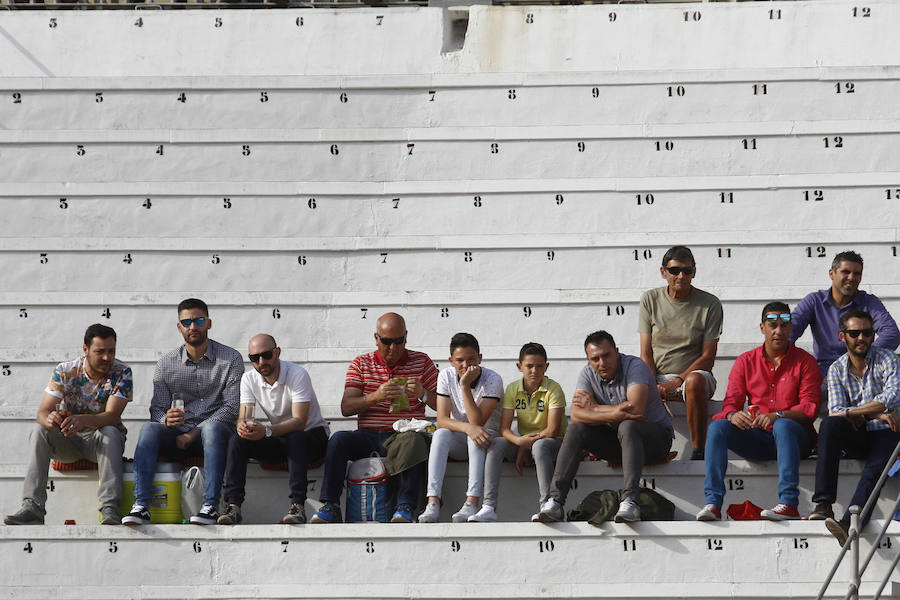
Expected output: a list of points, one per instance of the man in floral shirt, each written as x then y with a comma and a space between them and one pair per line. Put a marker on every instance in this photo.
80, 418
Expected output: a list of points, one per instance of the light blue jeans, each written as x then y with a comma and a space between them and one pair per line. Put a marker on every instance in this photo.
787, 442
484, 466
156, 438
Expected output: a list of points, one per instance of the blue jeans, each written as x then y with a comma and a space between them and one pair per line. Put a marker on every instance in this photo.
156, 439
345, 446
787, 442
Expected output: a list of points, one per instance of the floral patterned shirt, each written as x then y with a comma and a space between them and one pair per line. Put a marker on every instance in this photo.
84, 395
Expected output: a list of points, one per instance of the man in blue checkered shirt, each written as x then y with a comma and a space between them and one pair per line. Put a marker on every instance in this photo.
196, 395
863, 398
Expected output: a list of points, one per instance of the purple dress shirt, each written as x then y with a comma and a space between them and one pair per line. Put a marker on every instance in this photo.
818, 311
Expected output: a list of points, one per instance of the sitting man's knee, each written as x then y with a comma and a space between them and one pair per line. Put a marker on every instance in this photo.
695, 386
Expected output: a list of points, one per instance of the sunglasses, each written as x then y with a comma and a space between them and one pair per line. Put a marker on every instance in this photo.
392, 341
773, 319
199, 322
855, 333
268, 354
676, 271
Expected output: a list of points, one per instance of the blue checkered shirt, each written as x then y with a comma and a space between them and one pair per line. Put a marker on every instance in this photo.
880, 383
211, 386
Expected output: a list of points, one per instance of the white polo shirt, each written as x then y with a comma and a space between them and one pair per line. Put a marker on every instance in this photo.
293, 385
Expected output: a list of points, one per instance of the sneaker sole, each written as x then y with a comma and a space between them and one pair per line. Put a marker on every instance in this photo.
426, 520
708, 518
14, 522
546, 518
111, 522
837, 531
624, 519
474, 520
770, 516
319, 521
134, 521
203, 521
292, 521
819, 517
400, 520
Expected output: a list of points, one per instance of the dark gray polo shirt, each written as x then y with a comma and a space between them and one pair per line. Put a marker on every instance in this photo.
632, 370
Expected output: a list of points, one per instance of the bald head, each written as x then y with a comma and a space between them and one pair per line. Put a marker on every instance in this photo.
390, 325
390, 338
261, 342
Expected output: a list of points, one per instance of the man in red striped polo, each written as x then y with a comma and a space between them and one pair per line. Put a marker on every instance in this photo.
374, 384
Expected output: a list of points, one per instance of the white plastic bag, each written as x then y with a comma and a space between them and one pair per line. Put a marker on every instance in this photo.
193, 486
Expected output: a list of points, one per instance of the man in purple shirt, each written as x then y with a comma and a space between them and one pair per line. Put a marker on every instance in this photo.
821, 311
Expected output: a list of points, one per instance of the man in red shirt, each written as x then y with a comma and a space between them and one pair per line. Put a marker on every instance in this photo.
369, 389
781, 384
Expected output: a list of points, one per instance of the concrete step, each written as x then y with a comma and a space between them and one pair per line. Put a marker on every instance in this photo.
72, 495
641, 560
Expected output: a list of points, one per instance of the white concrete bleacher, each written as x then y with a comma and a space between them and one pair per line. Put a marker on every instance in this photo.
364, 137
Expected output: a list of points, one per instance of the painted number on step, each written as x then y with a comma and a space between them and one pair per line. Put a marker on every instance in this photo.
197, 547
713, 544
284, 545
454, 546
801, 543
629, 545
735, 484
546, 545
370, 547
113, 548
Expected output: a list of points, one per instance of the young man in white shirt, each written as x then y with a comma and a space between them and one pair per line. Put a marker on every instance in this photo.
296, 433
468, 420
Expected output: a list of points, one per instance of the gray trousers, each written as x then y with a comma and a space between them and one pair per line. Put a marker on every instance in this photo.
633, 443
103, 446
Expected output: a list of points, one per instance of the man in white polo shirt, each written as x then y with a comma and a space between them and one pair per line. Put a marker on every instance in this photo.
297, 431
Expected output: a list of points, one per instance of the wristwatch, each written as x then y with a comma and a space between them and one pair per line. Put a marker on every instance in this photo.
268, 431
779, 413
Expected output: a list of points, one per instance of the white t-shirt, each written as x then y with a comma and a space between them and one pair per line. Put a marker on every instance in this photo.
488, 385
293, 385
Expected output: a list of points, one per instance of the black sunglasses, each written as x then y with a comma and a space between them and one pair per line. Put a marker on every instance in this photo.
676, 271
199, 322
855, 333
254, 358
392, 341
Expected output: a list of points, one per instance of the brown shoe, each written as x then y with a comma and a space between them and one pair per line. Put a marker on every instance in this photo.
839, 529
822, 511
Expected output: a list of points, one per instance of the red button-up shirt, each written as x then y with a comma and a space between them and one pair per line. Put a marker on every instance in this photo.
794, 385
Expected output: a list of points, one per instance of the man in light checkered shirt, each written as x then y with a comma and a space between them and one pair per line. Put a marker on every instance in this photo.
863, 398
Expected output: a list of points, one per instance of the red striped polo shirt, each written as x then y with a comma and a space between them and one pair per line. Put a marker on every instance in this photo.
368, 371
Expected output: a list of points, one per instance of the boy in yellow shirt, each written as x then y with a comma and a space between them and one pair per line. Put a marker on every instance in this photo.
539, 404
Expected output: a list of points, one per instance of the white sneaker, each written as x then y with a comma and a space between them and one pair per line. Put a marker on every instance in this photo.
629, 511
551, 511
487, 514
466, 510
431, 513
536, 518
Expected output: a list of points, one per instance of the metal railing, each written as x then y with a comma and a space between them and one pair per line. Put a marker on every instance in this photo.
852, 543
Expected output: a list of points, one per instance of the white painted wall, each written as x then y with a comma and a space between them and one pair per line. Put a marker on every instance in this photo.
303, 152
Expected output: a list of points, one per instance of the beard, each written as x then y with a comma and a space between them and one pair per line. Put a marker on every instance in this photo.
196, 341
858, 353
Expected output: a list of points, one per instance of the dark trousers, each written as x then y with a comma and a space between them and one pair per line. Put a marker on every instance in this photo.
345, 446
836, 434
298, 447
633, 443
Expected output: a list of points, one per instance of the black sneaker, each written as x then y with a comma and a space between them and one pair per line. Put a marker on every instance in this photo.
27, 515
139, 515
208, 515
295, 516
232, 515
698, 453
